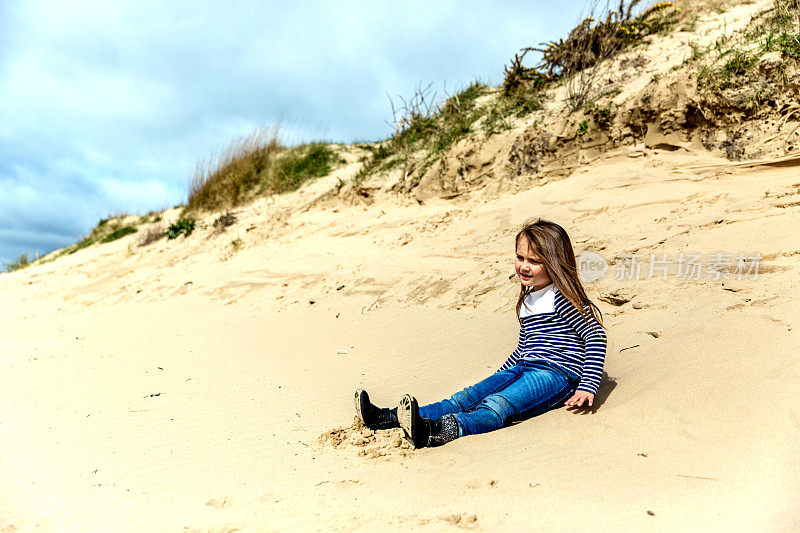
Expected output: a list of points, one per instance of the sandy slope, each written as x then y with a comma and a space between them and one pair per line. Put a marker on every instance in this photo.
192, 386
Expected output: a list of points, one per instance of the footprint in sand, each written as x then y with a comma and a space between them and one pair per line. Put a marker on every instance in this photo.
463, 520
269, 497
224, 528
219, 503
481, 483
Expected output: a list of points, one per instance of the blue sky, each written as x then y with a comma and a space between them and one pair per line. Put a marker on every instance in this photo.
107, 106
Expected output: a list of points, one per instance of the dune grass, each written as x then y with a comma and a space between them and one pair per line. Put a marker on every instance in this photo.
23, 261
297, 165
108, 229
425, 127
254, 165
424, 122
231, 176
117, 233
731, 62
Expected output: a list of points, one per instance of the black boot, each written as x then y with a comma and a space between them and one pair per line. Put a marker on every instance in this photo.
372, 416
415, 428
442, 430
421, 432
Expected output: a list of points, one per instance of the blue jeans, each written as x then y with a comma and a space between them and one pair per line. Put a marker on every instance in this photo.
524, 390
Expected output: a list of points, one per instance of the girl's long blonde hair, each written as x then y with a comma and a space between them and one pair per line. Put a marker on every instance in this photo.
551, 243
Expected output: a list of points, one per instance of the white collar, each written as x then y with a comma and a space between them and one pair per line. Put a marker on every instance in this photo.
538, 302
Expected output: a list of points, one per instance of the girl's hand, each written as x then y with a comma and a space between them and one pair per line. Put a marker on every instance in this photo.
579, 397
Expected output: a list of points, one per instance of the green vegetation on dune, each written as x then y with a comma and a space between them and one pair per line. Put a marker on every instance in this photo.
779, 30
19, 263
297, 165
595, 40
152, 216
426, 128
424, 124
118, 233
578, 60
183, 226
108, 229
728, 68
256, 165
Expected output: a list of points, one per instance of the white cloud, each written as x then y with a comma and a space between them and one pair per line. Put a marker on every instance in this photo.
104, 105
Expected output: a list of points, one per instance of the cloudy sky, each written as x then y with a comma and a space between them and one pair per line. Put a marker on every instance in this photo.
107, 106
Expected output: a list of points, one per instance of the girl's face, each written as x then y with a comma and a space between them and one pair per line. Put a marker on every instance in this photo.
530, 267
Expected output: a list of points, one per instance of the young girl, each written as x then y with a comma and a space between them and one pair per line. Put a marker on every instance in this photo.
559, 357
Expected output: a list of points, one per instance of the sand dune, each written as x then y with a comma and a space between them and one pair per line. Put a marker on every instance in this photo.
180, 387
205, 383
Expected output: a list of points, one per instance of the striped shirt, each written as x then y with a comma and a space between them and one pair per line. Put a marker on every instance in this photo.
553, 330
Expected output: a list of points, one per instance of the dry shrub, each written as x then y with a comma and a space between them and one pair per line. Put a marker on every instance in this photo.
416, 113
592, 41
579, 58
518, 76
153, 234
222, 223
233, 175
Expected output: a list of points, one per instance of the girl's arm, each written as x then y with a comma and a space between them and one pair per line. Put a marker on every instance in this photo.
515, 355
595, 340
